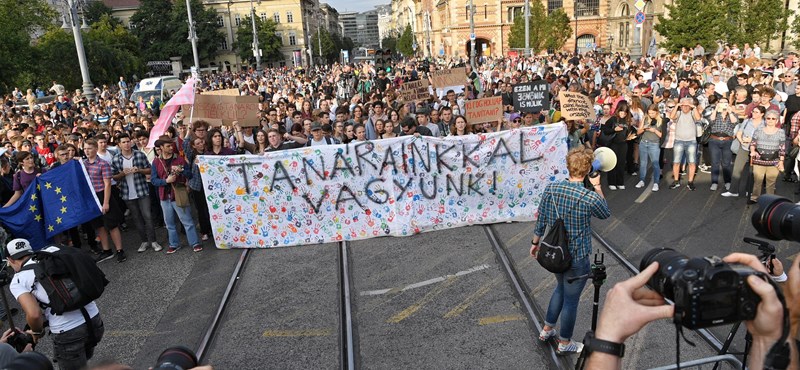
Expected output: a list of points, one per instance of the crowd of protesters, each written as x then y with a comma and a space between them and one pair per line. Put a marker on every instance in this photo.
730, 114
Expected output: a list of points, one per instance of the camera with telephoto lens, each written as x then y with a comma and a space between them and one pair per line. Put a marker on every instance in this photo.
706, 290
20, 339
777, 218
176, 358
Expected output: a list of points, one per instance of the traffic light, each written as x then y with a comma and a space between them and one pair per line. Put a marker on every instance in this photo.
387, 60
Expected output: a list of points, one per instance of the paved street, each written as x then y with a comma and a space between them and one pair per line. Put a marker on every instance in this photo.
431, 301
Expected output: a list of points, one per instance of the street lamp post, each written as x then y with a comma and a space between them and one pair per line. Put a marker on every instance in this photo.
576, 27
193, 37
256, 49
230, 31
472, 35
527, 28
88, 87
319, 38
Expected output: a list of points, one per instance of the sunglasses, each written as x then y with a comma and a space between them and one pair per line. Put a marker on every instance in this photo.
772, 118
517, 120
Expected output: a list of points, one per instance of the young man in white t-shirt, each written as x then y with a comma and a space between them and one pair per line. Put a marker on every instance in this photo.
317, 136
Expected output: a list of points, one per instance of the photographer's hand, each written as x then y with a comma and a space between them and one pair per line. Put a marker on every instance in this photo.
629, 306
7, 334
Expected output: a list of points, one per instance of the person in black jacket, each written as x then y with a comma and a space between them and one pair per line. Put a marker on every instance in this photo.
620, 126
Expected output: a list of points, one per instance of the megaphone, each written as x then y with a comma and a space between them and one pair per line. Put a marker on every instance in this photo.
604, 160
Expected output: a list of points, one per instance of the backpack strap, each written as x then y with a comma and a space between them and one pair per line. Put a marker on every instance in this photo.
89, 327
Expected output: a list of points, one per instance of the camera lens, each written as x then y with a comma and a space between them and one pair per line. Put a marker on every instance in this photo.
777, 218
174, 358
669, 262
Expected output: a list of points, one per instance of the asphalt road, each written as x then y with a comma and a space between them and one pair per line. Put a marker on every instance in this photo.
435, 300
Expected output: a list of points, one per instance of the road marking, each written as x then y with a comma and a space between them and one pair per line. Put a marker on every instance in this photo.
458, 310
424, 283
697, 222
404, 314
129, 333
646, 193
499, 319
640, 237
297, 333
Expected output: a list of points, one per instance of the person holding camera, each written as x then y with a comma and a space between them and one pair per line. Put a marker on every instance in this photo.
577, 205
75, 333
723, 123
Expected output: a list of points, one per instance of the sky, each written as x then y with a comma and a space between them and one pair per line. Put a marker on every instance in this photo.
355, 5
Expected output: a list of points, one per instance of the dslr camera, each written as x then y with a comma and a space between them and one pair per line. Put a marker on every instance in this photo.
706, 290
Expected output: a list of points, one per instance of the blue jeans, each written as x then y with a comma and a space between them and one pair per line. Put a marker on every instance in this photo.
721, 154
649, 150
565, 298
686, 150
185, 216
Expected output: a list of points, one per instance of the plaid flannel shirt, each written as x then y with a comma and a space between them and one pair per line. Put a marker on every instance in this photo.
139, 180
576, 205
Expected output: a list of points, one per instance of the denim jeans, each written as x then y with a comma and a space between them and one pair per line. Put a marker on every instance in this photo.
686, 150
721, 155
649, 150
72, 348
170, 209
140, 209
564, 301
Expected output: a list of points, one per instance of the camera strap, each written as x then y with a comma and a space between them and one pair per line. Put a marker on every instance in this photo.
779, 356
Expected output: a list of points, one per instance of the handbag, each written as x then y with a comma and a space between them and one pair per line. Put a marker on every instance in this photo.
181, 194
704, 131
768, 155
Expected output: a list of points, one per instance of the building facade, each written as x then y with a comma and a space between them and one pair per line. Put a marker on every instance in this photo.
330, 19
362, 28
385, 28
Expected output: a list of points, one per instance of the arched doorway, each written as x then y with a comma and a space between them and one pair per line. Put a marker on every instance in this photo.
482, 47
586, 43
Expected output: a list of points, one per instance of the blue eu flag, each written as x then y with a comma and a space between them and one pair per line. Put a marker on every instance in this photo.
55, 202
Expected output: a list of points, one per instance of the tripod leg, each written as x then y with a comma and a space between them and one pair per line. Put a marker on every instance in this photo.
728, 341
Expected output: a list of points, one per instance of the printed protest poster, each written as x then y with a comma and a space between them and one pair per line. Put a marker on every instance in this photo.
531, 96
226, 92
484, 110
415, 90
449, 77
576, 106
391, 187
223, 110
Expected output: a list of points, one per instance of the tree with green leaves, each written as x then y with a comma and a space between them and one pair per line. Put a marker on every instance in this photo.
327, 43
209, 36
269, 43
770, 22
691, 22
405, 44
558, 28
546, 31
18, 21
94, 10
796, 32
152, 27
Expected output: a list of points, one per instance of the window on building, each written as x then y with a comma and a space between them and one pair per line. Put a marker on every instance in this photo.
289, 17
292, 39
223, 45
220, 21
131, 26
276, 17
554, 5
513, 13
586, 8
237, 20
624, 32
263, 17
466, 12
485, 11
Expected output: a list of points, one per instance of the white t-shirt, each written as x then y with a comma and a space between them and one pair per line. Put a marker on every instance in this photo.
321, 142
23, 282
128, 163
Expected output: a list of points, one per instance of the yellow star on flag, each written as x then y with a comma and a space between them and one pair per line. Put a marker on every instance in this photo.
63, 209
38, 218
32, 208
58, 190
48, 185
33, 196
50, 228
58, 220
63, 199
38, 187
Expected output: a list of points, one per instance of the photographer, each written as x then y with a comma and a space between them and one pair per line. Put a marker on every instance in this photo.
74, 339
629, 306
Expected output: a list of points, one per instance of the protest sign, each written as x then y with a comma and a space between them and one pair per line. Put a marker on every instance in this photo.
223, 110
576, 106
390, 187
531, 96
484, 110
415, 90
449, 77
226, 92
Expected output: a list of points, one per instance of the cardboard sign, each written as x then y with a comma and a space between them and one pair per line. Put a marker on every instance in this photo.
576, 106
415, 90
226, 92
449, 77
531, 96
484, 110
223, 110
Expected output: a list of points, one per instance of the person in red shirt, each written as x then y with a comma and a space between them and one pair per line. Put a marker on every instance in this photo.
45, 150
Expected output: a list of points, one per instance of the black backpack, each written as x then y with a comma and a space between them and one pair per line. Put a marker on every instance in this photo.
554, 253
70, 278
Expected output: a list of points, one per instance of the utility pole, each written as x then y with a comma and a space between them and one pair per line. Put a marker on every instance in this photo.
230, 31
88, 86
528, 27
576, 26
256, 49
428, 21
319, 38
472, 35
193, 37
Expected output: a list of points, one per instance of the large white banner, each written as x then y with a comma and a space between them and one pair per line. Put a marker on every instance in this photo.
396, 187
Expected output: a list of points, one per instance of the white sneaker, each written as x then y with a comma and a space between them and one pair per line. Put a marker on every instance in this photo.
142, 247
729, 194
612, 187
640, 184
727, 186
621, 187
157, 247
713, 187
655, 187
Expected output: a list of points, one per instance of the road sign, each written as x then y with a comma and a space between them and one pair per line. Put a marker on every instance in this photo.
472, 36
639, 4
639, 18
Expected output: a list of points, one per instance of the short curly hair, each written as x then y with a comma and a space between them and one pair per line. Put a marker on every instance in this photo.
579, 162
